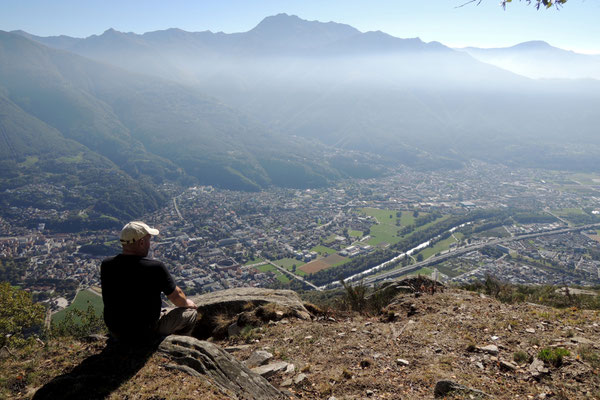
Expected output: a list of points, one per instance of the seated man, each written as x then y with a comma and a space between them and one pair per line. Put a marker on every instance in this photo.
131, 291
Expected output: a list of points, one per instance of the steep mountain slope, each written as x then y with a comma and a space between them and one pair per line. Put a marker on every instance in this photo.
413, 102
537, 59
151, 128
41, 168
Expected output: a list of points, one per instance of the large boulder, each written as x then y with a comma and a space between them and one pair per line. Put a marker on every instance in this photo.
204, 359
225, 312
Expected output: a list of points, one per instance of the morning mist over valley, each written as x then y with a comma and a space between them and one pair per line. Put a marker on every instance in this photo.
380, 197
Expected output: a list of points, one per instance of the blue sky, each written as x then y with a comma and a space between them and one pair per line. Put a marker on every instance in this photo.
574, 27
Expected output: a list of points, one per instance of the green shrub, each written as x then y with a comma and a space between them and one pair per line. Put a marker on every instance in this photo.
553, 356
355, 296
20, 317
78, 323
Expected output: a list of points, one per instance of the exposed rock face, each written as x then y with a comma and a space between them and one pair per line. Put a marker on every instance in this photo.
227, 311
204, 359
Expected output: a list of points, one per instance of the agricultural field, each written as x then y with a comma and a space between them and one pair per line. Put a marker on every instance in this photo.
323, 263
322, 250
83, 299
386, 230
356, 234
288, 263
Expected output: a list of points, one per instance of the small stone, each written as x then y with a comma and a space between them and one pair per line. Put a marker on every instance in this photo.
537, 368
299, 379
308, 337
495, 337
403, 362
353, 330
284, 321
490, 349
479, 365
288, 382
530, 330
259, 357
368, 323
508, 366
291, 368
331, 319
270, 369
370, 393
341, 334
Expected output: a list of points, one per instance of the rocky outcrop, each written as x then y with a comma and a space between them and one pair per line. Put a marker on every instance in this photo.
204, 359
226, 312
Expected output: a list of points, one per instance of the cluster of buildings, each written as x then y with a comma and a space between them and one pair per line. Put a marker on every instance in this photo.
210, 237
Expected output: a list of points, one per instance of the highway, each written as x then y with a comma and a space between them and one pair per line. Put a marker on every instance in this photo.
463, 250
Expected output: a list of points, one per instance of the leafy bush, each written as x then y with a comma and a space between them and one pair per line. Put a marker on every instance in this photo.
359, 298
20, 317
553, 356
355, 296
78, 323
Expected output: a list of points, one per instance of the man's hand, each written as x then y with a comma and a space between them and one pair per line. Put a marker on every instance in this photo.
178, 298
190, 304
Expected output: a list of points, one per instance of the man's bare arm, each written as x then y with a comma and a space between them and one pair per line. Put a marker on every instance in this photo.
178, 298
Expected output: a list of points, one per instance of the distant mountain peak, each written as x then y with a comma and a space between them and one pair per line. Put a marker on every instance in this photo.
532, 45
282, 23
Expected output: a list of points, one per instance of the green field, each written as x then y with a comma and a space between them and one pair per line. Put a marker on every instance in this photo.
383, 216
322, 250
407, 218
288, 263
255, 261
386, 231
266, 268
83, 299
440, 246
356, 234
565, 212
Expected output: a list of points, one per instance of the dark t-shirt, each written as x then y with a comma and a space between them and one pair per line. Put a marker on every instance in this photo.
131, 288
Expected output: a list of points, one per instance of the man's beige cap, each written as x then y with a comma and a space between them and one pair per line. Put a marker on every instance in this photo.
135, 230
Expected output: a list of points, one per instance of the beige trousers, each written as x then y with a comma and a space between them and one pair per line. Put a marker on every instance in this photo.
179, 321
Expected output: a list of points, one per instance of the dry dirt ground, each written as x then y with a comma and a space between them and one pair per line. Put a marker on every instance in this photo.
400, 354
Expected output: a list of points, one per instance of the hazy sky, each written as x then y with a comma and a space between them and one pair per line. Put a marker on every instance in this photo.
574, 27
